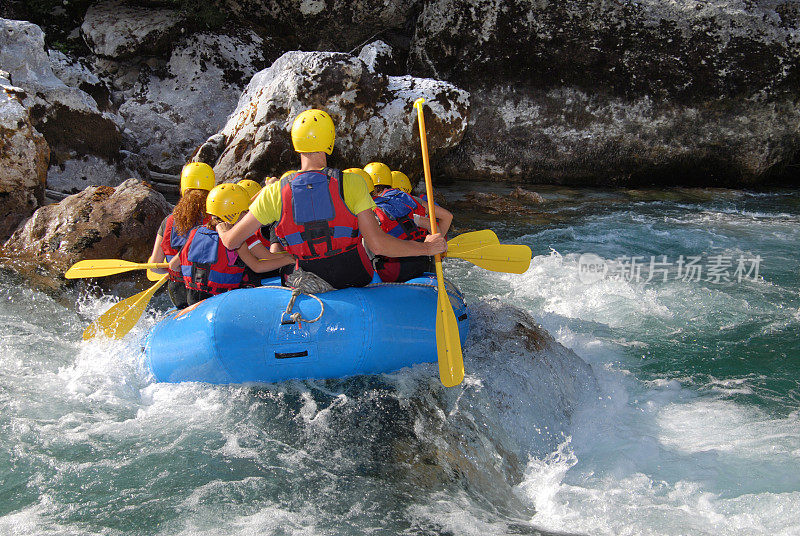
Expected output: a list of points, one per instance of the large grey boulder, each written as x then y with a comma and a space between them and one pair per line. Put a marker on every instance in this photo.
98, 223
68, 117
626, 92
115, 29
174, 109
24, 156
373, 115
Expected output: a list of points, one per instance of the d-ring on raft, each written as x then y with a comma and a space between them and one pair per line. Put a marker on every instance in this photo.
244, 336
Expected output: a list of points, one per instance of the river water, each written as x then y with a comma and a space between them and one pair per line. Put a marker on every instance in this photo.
672, 407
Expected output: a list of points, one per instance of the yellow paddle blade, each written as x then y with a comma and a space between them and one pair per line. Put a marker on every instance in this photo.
104, 267
153, 276
506, 258
120, 319
448, 342
472, 240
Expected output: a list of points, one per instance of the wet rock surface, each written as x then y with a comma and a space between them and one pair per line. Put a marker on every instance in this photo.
519, 201
98, 223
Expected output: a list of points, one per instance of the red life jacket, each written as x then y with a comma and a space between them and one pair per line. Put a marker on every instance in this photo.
172, 242
207, 265
315, 222
395, 211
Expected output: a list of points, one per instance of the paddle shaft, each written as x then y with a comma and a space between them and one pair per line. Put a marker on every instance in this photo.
451, 368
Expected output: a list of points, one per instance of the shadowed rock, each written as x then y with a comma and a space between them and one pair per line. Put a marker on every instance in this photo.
117, 30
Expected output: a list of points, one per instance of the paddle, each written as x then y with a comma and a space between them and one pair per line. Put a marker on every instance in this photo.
153, 276
104, 267
471, 240
448, 343
506, 258
120, 319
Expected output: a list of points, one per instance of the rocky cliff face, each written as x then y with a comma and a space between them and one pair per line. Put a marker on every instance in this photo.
626, 92
578, 91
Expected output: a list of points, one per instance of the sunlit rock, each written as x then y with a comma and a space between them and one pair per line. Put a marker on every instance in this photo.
98, 223
24, 155
373, 114
173, 110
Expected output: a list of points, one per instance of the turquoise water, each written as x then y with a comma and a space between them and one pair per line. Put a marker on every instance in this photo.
677, 413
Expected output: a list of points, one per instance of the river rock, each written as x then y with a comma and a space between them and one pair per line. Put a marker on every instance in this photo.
173, 110
567, 136
114, 29
682, 49
24, 156
77, 73
68, 117
588, 92
98, 223
379, 57
373, 114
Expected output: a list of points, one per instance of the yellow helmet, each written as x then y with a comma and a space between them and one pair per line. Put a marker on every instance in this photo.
380, 173
227, 201
197, 175
313, 131
400, 180
287, 174
364, 175
251, 187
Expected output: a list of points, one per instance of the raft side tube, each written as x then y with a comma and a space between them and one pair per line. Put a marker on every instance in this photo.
243, 335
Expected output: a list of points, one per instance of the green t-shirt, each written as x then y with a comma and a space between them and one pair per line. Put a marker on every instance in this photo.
267, 206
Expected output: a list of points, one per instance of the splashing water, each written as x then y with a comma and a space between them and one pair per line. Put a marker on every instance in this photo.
674, 412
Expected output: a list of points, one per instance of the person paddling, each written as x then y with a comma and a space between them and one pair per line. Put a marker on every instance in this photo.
209, 268
404, 217
322, 213
197, 179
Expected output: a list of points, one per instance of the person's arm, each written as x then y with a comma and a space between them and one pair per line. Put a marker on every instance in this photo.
157, 255
259, 250
444, 218
268, 263
175, 264
382, 244
233, 236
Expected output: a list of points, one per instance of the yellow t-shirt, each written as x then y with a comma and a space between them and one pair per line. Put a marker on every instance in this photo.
267, 206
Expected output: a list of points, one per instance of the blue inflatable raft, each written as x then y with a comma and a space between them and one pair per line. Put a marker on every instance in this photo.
244, 336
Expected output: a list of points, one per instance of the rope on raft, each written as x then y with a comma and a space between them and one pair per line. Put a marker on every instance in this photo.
308, 283
302, 282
